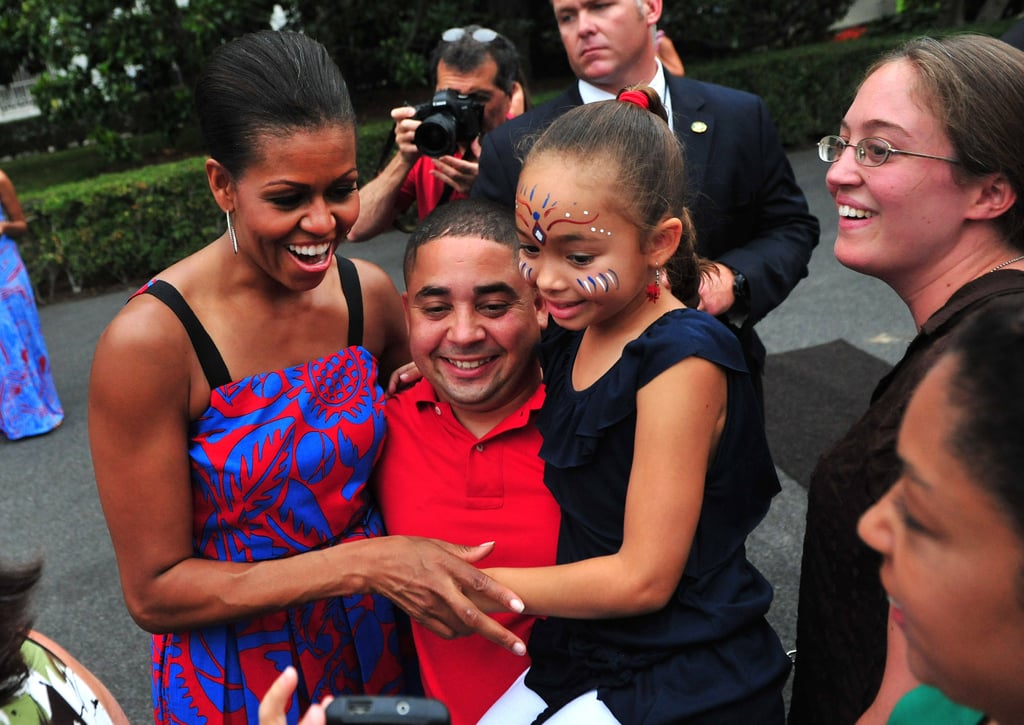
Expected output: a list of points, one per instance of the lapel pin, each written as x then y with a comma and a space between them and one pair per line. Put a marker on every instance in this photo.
698, 127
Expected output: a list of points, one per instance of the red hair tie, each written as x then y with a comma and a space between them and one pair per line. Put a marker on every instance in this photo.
638, 98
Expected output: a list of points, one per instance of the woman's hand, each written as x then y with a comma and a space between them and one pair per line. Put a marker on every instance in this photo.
404, 377
436, 583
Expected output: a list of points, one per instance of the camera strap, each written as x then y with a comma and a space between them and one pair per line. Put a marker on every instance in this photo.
385, 152
446, 195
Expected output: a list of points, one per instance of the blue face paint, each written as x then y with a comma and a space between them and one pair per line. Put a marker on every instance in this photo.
602, 282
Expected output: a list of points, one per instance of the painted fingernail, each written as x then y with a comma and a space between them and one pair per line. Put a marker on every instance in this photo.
516, 605
519, 649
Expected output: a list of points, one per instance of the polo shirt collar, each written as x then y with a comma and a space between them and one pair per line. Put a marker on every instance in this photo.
424, 396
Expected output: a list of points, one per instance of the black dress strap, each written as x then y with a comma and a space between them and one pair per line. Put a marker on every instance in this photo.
209, 356
353, 292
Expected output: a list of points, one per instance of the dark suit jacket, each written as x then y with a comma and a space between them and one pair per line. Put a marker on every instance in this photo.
747, 209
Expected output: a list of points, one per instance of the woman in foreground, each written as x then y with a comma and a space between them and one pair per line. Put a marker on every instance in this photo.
951, 529
235, 414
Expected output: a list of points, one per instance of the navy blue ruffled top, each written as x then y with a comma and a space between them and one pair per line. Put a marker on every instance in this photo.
711, 645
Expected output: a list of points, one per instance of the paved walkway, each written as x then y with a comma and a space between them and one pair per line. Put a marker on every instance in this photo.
51, 508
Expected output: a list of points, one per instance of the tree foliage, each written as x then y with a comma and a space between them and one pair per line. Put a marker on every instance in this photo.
115, 66
119, 66
709, 28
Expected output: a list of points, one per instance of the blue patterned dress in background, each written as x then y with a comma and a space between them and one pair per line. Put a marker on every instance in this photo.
28, 398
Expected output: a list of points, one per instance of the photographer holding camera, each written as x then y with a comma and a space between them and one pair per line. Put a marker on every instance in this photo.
476, 90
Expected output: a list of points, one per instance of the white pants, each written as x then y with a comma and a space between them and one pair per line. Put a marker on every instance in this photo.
520, 704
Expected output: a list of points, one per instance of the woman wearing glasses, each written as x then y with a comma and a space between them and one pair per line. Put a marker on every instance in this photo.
928, 177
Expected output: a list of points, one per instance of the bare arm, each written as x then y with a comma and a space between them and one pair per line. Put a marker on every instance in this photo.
669, 56
680, 415
378, 200
15, 224
138, 426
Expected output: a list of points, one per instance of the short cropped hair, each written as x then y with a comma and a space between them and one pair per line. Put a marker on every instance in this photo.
463, 218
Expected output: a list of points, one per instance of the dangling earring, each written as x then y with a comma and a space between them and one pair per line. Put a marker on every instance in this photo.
654, 288
231, 232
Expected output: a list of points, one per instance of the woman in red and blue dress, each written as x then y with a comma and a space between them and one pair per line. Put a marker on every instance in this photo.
235, 414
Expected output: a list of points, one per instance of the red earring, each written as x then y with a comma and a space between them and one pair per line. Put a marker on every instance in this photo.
654, 288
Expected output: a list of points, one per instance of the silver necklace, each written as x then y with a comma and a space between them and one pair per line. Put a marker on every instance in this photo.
1006, 263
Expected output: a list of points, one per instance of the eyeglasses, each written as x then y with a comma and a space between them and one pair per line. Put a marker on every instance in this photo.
480, 35
867, 152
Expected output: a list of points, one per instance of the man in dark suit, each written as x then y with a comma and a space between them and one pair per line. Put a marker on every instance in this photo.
750, 215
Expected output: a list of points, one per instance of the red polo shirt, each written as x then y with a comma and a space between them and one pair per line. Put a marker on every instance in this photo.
420, 186
435, 478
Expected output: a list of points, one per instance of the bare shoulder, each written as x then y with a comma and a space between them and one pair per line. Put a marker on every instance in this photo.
373, 278
146, 341
144, 325
110, 704
385, 334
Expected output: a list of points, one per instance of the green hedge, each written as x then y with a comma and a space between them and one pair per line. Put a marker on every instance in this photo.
119, 229
808, 89
122, 228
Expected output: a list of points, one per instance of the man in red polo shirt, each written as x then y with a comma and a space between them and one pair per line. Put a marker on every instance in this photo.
461, 462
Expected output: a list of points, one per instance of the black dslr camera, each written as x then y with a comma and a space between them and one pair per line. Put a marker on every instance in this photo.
449, 119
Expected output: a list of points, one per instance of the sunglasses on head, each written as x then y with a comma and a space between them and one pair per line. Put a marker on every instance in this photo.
480, 35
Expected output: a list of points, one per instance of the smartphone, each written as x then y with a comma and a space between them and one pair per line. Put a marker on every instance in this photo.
387, 710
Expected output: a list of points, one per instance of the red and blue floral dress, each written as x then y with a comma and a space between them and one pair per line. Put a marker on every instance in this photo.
280, 462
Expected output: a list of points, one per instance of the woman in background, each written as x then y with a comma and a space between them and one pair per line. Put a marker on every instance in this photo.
927, 173
28, 399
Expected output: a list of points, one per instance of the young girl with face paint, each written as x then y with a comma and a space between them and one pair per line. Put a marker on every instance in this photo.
653, 447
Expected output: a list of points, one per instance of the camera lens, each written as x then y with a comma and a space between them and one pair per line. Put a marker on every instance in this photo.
436, 136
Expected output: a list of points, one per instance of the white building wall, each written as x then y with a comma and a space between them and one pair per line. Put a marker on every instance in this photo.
864, 11
16, 99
